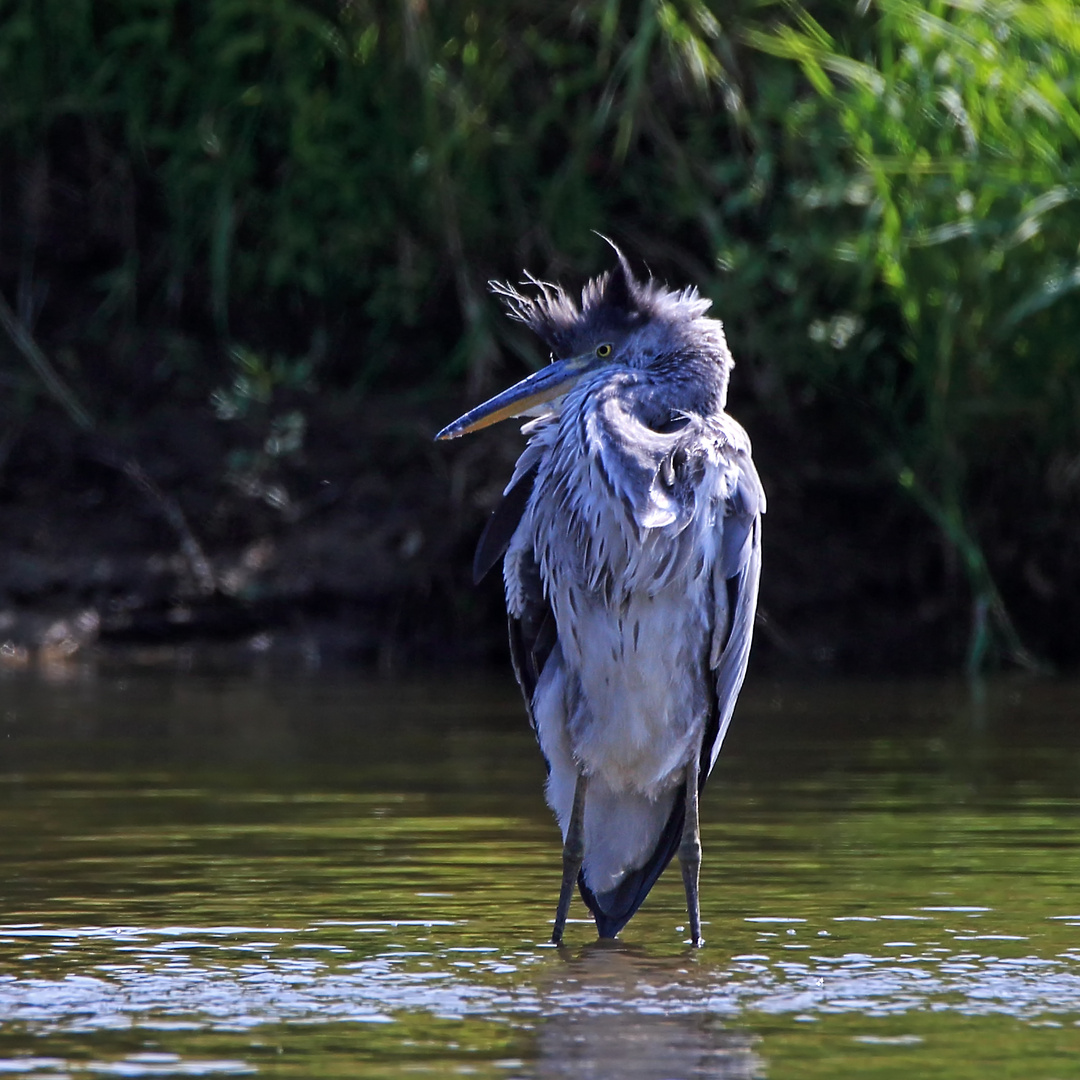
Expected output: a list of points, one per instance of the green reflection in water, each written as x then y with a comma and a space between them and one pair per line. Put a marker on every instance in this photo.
207, 876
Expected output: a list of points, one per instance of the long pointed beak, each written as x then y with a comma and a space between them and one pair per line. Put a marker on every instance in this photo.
544, 385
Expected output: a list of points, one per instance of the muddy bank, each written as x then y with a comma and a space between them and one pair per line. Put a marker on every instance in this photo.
358, 550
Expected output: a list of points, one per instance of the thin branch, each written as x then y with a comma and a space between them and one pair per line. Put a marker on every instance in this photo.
44, 370
167, 506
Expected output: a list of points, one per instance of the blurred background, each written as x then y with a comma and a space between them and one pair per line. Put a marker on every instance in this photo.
244, 248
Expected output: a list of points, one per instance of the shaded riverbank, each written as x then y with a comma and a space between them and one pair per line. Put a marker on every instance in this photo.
358, 549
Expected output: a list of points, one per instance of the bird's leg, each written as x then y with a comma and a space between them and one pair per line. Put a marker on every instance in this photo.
572, 853
690, 852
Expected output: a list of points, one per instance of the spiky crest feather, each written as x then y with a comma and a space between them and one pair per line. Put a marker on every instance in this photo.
614, 301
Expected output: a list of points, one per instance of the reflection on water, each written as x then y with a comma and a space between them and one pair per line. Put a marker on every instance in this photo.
614, 1042
614, 1010
209, 876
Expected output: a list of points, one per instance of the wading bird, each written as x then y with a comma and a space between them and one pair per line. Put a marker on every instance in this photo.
630, 534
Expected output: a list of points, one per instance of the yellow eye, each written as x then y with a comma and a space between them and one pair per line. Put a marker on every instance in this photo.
603, 351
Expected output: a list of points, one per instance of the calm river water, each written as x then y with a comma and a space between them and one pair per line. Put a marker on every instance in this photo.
325, 876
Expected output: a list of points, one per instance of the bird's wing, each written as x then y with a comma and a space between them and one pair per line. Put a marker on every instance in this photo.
531, 622
533, 633
503, 522
735, 591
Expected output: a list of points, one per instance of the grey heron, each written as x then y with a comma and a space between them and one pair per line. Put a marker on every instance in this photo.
630, 534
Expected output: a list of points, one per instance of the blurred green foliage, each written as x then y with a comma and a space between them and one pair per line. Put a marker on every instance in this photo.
247, 157
881, 198
964, 130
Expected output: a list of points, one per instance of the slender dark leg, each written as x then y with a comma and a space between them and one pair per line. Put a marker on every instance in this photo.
572, 853
690, 852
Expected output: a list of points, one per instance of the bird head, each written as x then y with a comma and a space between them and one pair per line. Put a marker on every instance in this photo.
620, 322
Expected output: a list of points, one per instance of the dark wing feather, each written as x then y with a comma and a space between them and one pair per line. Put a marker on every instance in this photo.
532, 633
502, 524
614, 909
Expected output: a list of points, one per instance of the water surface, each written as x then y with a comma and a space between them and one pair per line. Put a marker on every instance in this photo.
326, 876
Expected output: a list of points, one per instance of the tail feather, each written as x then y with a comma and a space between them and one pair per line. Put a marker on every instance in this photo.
613, 909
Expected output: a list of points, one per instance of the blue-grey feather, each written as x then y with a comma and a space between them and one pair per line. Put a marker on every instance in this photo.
634, 515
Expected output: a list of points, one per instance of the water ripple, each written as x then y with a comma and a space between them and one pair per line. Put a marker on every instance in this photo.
160, 985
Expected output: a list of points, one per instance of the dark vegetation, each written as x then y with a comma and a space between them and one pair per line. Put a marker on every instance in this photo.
243, 254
